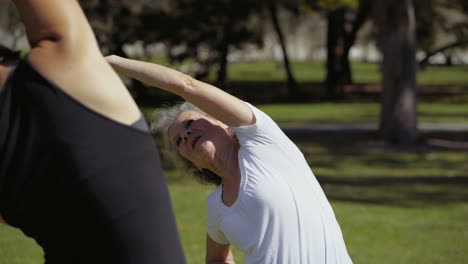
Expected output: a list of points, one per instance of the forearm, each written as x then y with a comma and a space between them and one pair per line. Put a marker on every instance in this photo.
228, 259
218, 253
150, 73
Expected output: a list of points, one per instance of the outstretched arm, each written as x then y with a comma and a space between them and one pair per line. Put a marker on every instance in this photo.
217, 103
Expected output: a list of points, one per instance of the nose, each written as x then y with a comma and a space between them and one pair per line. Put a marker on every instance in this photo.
186, 134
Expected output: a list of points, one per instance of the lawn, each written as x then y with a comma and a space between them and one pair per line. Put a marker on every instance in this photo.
347, 113
394, 206
314, 71
360, 113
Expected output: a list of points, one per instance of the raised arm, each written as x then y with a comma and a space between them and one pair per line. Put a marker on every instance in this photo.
217, 103
56, 22
65, 50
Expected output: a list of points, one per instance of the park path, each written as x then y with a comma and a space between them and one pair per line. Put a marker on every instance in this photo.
353, 127
445, 135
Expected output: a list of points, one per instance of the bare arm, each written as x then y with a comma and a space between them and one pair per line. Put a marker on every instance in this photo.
218, 253
56, 22
217, 103
65, 50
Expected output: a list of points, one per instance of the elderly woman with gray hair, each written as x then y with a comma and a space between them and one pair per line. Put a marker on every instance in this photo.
267, 202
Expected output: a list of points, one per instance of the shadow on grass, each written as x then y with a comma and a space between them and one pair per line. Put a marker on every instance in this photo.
359, 167
276, 91
404, 192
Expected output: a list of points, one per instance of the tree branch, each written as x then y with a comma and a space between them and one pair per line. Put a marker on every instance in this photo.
458, 43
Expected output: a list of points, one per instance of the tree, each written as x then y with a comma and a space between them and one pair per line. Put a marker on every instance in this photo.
441, 19
396, 26
206, 31
119, 22
10, 24
345, 18
291, 81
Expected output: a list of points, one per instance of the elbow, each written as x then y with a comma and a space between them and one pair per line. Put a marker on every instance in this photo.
46, 37
188, 84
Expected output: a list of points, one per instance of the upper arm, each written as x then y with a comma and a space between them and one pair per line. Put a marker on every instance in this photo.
221, 105
57, 26
218, 253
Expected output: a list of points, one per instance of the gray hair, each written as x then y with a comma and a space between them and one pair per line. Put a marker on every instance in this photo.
162, 119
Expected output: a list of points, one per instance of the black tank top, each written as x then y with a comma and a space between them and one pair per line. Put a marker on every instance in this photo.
88, 189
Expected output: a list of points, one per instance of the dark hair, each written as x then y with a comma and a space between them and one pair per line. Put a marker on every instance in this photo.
9, 56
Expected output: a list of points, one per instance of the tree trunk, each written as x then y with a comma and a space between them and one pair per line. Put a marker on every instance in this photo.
338, 70
397, 40
291, 81
448, 59
223, 52
222, 70
340, 39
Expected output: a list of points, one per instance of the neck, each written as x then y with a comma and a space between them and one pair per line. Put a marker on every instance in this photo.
226, 165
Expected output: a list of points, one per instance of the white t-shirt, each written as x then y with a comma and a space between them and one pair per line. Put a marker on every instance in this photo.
281, 214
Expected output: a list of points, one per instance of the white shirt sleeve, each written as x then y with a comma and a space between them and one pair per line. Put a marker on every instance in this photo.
264, 132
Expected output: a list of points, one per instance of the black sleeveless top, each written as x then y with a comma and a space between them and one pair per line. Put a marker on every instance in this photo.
88, 189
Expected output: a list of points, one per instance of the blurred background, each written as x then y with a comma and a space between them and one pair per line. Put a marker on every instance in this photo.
374, 92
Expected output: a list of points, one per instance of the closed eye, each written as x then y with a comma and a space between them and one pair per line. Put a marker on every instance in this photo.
187, 125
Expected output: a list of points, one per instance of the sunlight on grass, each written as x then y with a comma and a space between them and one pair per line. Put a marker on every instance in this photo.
359, 113
388, 234
393, 206
16, 248
315, 71
323, 113
316, 113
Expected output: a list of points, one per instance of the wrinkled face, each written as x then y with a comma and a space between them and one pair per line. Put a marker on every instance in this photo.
197, 137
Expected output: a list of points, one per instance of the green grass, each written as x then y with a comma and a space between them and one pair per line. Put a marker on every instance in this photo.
394, 206
320, 113
362, 73
16, 248
314, 71
360, 113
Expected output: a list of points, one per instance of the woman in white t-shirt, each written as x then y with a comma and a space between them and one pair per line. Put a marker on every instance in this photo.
267, 202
